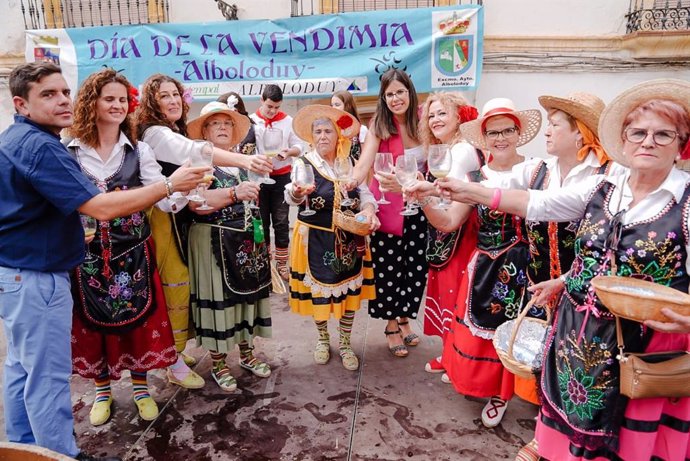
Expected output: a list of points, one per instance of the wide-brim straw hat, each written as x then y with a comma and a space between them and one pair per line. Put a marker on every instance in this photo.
585, 107
239, 131
347, 124
530, 122
613, 117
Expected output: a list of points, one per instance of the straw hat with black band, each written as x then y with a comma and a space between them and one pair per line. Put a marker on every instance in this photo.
240, 129
345, 124
527, 121
613, 117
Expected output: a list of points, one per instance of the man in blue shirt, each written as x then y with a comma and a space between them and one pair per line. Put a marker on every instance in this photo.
42, 192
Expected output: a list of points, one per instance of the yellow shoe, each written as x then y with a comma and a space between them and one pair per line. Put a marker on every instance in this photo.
148, 410
191, 381
100, 412
188, 359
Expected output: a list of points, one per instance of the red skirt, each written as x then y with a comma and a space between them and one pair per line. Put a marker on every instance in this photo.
442, 284
146, 347
470, 361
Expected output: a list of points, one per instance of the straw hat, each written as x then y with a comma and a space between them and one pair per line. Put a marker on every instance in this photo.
530, 122
584, 107
611, 121
239, 131
302, 122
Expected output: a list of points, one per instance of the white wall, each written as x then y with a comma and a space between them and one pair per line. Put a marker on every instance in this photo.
555, 17
11, 28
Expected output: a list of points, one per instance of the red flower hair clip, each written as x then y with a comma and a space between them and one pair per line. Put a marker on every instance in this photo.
467, 113
133, 99
344, 122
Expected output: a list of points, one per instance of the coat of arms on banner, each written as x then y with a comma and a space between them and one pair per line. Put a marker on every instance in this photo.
46, 49
454, 48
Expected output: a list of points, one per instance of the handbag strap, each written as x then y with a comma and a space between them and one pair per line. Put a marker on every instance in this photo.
619, 339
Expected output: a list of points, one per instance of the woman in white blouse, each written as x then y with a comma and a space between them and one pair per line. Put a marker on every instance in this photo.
162, 124
330, 268
640, 220
120, 318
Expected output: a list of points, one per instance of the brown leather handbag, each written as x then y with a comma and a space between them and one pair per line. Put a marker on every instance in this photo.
657, 374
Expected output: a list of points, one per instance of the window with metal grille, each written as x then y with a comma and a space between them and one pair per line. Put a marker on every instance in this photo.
47, 14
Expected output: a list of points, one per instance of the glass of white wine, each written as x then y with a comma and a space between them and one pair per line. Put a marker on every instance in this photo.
383, 163
273, 141
203, 156
406, 174
342, 167
440, 161
90, 225
303, 177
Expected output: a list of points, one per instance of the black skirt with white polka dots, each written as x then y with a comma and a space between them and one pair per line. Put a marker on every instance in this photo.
400, 270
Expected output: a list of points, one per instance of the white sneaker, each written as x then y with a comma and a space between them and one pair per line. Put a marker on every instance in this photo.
445, 378
493, 411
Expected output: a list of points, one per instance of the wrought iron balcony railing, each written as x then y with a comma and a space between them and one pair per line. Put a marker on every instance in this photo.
658, 15
49, 14
310, 7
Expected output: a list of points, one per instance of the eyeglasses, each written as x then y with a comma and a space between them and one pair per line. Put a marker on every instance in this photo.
398, 94
218, 123
508, 132
660, 137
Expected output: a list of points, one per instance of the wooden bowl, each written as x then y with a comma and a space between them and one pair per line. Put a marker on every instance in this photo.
639, 300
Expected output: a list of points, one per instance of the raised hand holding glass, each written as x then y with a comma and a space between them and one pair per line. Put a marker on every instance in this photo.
406, 174
383, 163
440, 161
342, 167
304, 178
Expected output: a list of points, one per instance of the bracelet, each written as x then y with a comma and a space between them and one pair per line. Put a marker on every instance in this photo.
233, 194
168, 186
496, 199
426, 201
295, 199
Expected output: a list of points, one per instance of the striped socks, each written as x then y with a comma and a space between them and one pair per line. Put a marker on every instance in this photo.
103, 391
345, 329
324, 337
218, 360
140, 388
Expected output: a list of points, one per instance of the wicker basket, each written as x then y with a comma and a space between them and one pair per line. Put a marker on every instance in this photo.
507, 358
639, 300
21, 452
347, 221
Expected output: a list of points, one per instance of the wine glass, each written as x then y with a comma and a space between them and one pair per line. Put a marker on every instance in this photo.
304, 178
406, 174
383, 163
342, 167
256, 178
90, 226
272, 140
440, 161
203, 156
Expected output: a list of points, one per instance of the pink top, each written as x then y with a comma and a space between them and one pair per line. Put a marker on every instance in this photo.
389, 215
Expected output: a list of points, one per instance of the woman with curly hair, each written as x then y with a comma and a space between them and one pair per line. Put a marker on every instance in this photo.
162, 124
120, 320
447, 252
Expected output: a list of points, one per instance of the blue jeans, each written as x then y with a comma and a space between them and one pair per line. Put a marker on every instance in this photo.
36, 309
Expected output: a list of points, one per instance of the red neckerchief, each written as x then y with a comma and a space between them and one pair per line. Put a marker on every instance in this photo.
269, 121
